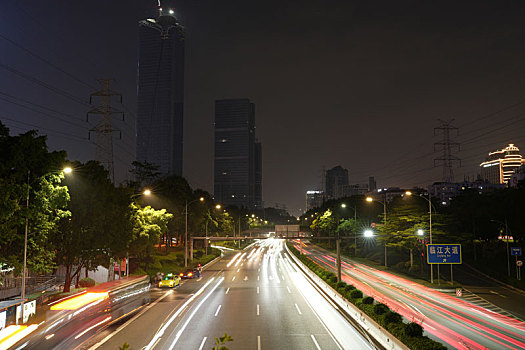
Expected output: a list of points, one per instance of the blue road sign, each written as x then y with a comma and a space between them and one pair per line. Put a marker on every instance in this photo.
515, 251
444, 253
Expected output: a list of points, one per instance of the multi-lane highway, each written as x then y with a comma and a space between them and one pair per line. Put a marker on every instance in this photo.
454, 321
256, 296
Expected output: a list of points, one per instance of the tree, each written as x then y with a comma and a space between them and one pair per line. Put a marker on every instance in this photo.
26, 166
147, 224
99, 228
144, 173
325, 224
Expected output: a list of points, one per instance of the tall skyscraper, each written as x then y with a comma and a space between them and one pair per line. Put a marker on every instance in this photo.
336, 180
500, 165
238, 157
160, 93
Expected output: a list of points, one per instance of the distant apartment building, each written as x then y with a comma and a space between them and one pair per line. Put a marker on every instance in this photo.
314, 199
501, 164
160, 93
238, 156
355, 190
372, 183
335, 181
444, 192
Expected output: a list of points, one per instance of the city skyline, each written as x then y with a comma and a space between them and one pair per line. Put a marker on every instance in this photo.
339, 92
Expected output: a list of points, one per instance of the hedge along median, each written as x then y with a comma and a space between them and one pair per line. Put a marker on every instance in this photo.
410, 334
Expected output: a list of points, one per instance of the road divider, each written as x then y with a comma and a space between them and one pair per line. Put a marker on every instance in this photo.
366, 323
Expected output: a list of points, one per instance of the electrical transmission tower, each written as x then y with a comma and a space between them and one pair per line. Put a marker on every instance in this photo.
103, 129
447, 146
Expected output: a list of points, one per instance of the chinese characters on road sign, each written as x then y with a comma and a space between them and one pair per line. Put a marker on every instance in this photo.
444, 253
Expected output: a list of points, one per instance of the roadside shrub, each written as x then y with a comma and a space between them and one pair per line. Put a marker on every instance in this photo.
332, 280
86, 282
380, 309
424, 343
349, 287
413, 330
392, 317
356, 294
340, 285
368, 300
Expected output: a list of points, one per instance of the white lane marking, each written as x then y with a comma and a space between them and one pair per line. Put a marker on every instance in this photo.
159, 334
257, 290
233, 260
202, 343
129, 321
282, 277
233, 279
289, 291
259, 270
242, 264
238, 270
257, 309
258, 342
179, 333
245, 278
257, 278
218, 309
240, 259
298, 310
315, 342
227, 290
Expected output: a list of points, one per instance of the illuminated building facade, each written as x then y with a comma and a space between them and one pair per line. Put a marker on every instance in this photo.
501, 164
160, 93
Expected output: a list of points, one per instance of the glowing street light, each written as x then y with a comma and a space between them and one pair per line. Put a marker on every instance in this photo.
186, 231
368, 233
67, 170
218, 206
147, 192
420, 232
343, 205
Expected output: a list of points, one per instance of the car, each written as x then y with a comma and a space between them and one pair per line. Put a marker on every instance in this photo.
170, 281
190, 273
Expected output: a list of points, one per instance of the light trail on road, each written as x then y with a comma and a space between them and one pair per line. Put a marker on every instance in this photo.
459, 323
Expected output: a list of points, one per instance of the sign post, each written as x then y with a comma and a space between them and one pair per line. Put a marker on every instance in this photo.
444, 254
516, 251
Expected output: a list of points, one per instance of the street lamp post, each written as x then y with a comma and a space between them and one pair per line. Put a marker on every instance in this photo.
507, 242
66, 170
355, 220
186, 230
146, 192
370, 199
408, 193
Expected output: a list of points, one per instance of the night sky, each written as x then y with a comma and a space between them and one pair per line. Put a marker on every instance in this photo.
359, 84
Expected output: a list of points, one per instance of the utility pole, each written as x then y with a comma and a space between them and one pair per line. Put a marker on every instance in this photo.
447, 147
103, 129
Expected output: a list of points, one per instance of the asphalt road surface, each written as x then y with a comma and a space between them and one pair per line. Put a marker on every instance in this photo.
256, 296
459, 323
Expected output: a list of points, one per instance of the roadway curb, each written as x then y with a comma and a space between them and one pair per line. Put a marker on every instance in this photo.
211, 263
380, 335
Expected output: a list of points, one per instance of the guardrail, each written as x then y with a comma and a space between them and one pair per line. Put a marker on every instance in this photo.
380, 334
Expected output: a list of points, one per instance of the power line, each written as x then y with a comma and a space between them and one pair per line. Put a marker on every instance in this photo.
46, 85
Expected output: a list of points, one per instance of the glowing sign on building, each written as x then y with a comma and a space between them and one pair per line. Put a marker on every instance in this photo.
500, 164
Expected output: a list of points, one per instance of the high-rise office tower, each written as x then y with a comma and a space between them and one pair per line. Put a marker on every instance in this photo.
160, 92
336, 180
238, 156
